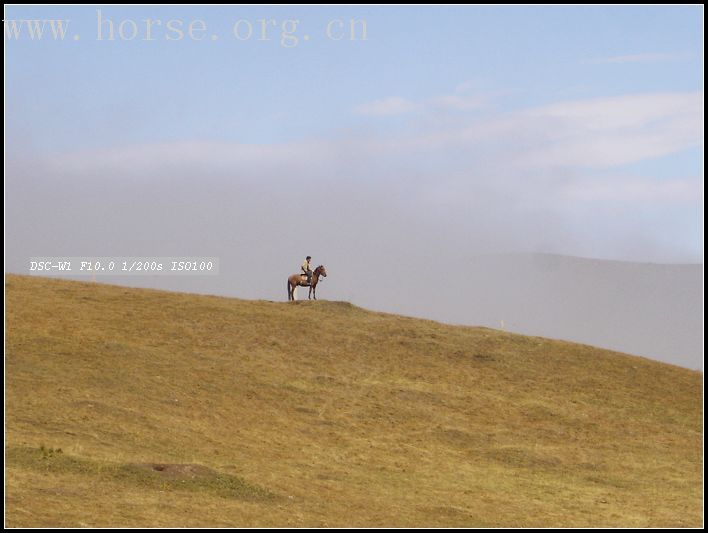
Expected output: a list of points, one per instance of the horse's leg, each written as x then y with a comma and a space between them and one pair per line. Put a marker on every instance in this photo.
289, 295
309, 294
314, 291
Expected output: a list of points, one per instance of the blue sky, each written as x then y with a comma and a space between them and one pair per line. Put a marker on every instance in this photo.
256, 91
575, 100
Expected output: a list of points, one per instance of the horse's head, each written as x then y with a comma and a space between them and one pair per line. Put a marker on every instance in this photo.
321, 271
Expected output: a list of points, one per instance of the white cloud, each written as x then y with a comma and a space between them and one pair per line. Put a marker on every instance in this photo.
584, 134
614, 131
466, 97
457, 102
518, 169
594, 133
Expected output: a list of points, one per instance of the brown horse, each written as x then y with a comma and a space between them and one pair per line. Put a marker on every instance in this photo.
300, 280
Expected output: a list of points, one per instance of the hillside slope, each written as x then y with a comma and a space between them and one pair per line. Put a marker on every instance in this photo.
652, 310
133, 407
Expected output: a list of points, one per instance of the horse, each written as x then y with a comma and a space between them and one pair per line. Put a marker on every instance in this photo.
296, 280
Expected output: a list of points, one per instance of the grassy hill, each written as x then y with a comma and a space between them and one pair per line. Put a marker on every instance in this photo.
133, 407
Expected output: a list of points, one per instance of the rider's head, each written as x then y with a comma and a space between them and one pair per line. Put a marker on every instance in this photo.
308, 258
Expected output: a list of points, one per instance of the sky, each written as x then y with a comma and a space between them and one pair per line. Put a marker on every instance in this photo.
427, 137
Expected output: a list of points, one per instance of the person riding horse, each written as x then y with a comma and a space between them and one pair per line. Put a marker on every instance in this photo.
298, 280
306, 270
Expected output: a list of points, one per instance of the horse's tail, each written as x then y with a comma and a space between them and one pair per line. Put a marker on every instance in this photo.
287, 282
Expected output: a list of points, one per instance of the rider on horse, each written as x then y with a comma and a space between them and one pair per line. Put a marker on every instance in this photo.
306, 278
306, 270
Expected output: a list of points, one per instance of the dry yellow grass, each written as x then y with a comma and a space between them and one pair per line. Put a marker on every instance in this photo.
324, 414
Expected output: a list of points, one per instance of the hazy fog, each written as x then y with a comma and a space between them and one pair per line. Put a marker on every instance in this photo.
388, 244
426, 166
